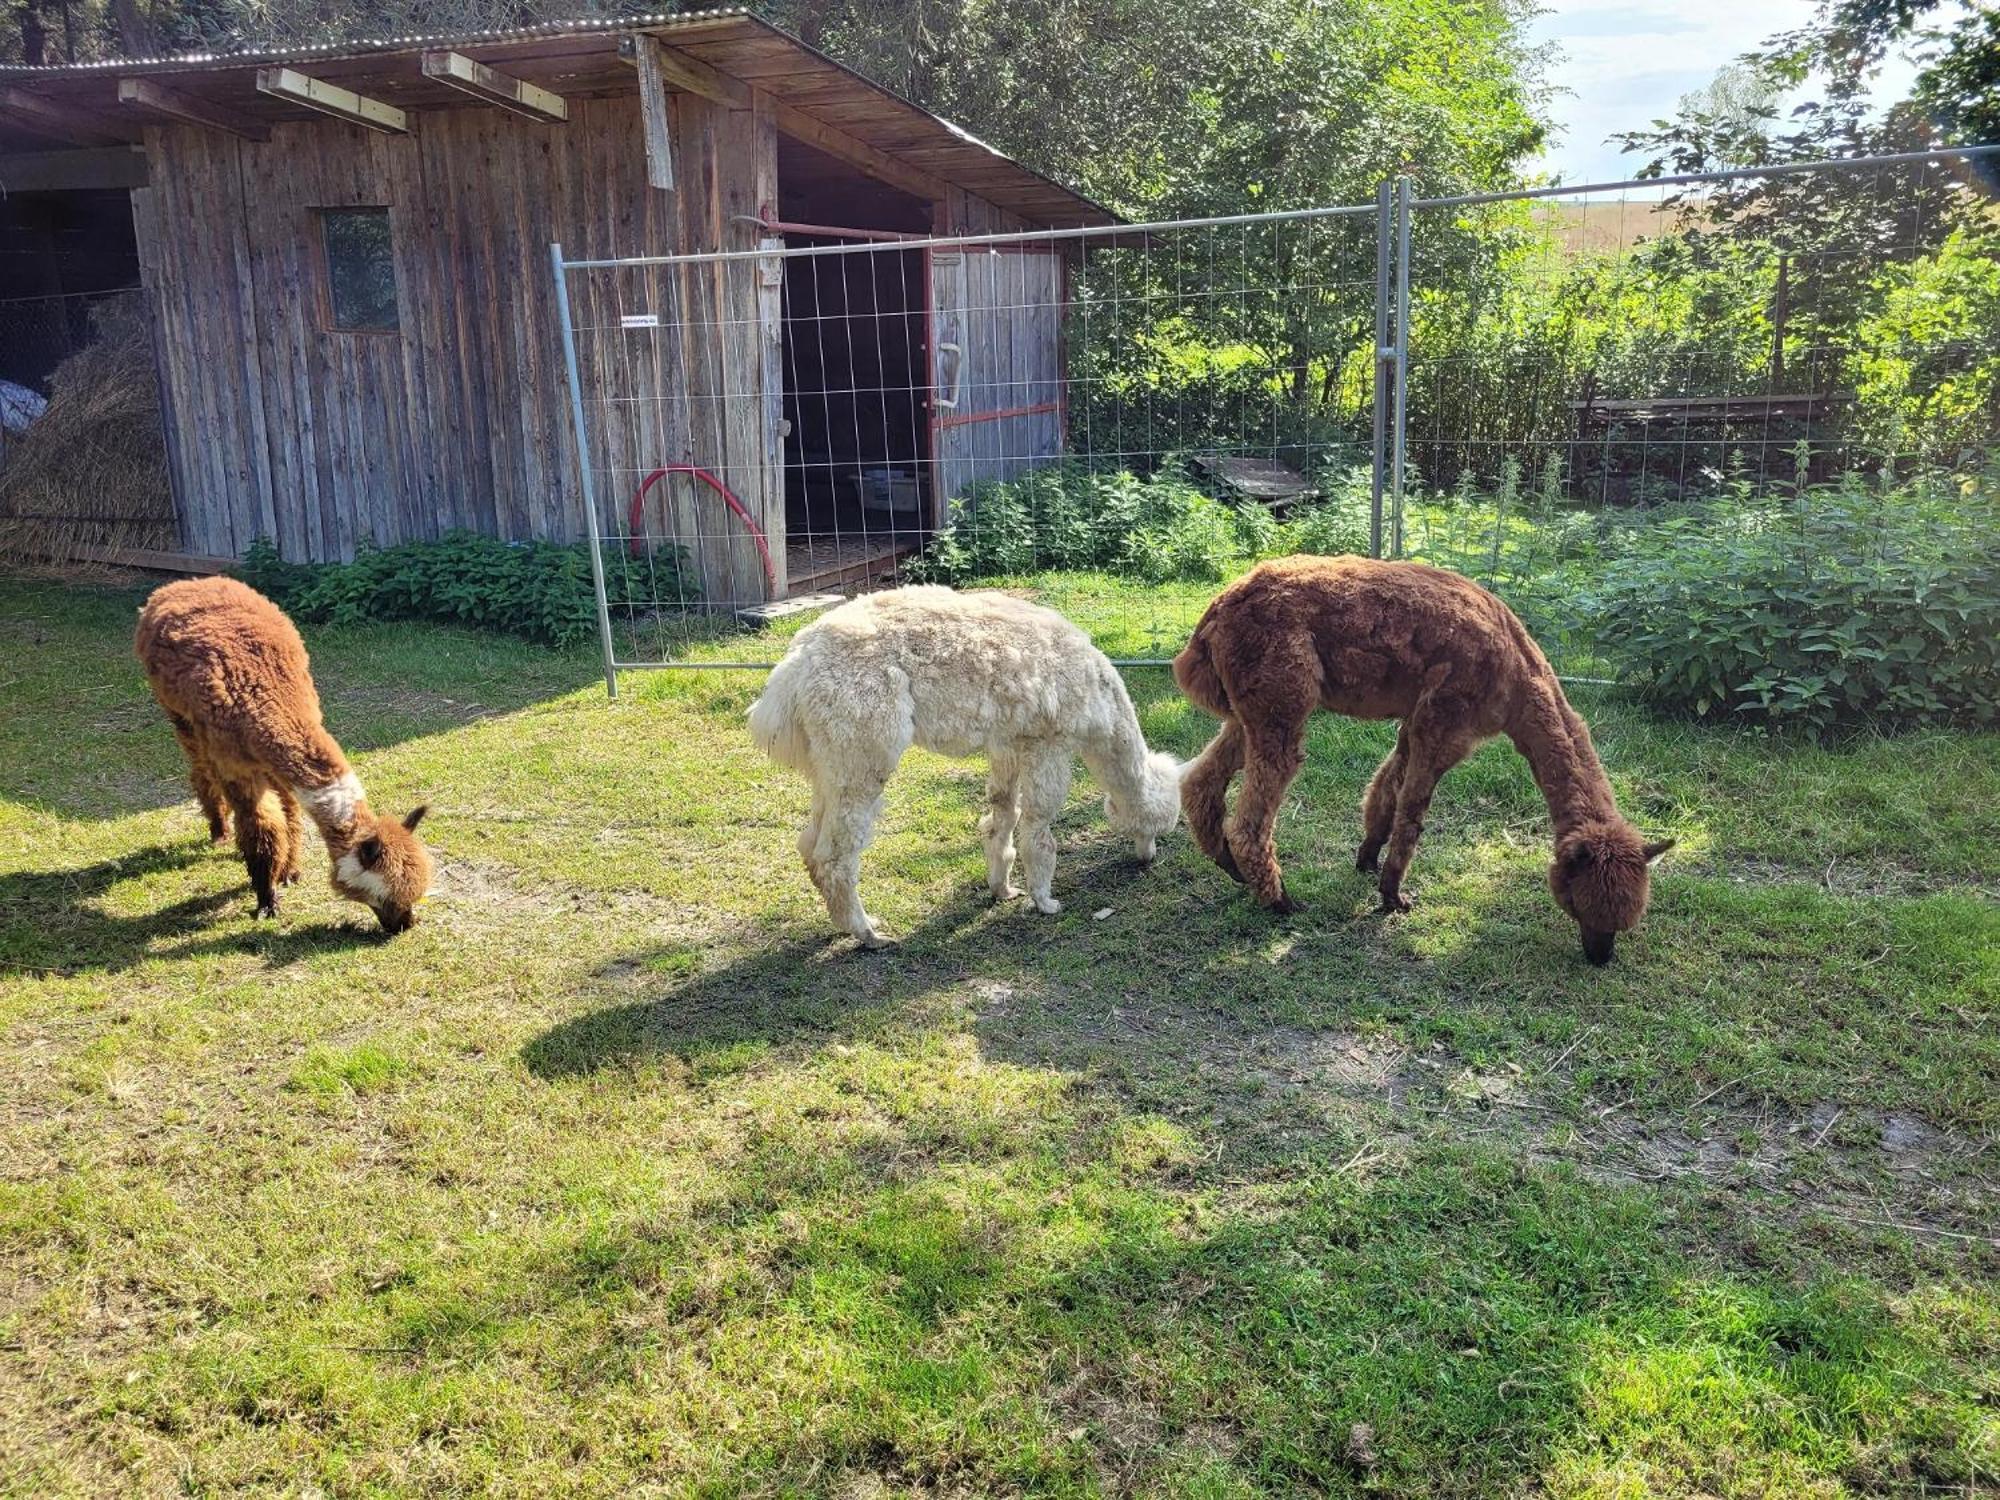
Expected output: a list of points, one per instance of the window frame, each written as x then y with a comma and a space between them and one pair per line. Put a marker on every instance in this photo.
328, 321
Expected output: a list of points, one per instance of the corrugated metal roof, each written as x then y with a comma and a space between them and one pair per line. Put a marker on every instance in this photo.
577, 56
361, 46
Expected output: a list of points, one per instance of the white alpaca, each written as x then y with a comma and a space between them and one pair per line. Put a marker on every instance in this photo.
958, 674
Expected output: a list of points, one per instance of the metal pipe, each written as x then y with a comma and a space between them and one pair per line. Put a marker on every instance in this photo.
583, 468
979, 241
766, 666
1383, 353
826, 231
1780, 169
1402, 386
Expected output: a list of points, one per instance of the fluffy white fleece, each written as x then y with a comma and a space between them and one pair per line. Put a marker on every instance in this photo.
960, 674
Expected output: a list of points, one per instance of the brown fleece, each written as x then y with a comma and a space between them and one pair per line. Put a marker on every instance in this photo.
231, 672
1384, 640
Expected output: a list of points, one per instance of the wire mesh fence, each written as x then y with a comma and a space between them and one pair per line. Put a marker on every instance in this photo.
1522, 387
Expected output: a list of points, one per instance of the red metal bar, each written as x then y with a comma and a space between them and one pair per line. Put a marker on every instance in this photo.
961, 420
832, 231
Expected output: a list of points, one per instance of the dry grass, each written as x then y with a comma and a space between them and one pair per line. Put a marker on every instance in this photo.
93, 471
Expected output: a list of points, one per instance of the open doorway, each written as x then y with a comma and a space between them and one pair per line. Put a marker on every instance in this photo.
857, 449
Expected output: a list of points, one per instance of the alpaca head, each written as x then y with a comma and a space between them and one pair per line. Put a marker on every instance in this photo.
1153, 808
387, 868
1601, 876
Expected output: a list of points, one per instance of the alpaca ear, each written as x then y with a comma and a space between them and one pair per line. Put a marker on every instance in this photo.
369, 852
415, 817
1654, 850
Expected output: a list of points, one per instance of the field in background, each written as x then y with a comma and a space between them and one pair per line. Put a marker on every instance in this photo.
620, 1175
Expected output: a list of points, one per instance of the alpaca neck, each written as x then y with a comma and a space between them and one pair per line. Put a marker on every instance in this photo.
338, 807
1117, 757
1557, 744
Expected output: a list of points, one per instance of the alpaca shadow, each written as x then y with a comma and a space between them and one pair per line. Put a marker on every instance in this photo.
50, 921
813, 982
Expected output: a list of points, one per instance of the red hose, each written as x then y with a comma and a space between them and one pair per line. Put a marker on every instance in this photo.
636, 519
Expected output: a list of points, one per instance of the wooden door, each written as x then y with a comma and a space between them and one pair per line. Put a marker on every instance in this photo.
996, 399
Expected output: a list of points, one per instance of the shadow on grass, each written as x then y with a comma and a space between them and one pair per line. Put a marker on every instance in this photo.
51, 924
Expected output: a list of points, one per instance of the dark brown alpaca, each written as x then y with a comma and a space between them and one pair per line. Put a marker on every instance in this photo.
1383, 640
232, 675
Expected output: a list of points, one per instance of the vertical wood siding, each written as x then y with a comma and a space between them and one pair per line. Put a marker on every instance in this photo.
323, 440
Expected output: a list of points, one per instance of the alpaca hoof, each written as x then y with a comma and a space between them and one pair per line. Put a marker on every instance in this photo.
1048, 906
218, 837
290, 877
1284, 906
1368, 859
1394, 902
267, 909
1003, 892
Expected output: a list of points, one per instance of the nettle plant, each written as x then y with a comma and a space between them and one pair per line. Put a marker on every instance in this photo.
1164, 527
539, 590
1846, 604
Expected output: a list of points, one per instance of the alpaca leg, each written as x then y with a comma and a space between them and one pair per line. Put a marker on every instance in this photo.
201, 776
295, 837
1044, 787
1433, 750
845, 828
260, 838
1273, 755
1378, 805
1205, 793
997, 825
809, 837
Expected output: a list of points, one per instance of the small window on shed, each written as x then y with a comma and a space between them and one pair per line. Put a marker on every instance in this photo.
360, 269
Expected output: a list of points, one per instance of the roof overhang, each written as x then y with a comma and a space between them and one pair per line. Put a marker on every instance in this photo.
80, 105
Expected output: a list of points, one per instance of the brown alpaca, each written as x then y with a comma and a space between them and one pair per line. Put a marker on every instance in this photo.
1384, 640
231, 672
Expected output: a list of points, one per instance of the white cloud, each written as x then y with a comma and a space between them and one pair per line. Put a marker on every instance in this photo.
1626, 63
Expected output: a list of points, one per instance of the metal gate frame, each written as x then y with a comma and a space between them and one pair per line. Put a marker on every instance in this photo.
1394, 209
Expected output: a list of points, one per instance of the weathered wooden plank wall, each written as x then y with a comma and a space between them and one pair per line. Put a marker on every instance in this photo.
322, 440
1004, 312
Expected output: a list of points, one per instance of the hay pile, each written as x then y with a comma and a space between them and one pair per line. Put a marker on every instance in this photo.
92, 472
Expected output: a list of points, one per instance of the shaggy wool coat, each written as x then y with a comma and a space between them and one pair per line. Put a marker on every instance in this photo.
959, 674
232, 674
1392, 640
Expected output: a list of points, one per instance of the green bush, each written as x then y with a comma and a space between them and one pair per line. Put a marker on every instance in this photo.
1848, 604
1163, 528
540, 590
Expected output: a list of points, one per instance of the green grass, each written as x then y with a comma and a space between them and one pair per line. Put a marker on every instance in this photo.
620, 1175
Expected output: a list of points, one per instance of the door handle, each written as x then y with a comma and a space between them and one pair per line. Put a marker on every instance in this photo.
957, 364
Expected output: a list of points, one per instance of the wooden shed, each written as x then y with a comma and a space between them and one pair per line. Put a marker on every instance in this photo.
346, 250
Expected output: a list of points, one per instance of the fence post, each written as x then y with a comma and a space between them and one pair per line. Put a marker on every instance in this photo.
1402, 377
1384, 352
583, 470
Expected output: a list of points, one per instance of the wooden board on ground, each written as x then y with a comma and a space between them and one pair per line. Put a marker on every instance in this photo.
1259, 479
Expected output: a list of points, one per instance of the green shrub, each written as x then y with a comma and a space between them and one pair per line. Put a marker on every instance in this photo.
1164, 528
1845, 605
1161, 528
540, 590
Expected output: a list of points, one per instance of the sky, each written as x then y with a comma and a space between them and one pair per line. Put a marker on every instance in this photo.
1627, 62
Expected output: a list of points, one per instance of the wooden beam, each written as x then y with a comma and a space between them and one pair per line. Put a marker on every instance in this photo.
189, 109
515, 95
59, 122
653, 112
688, 74
331, 99
835, 142
73, 171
